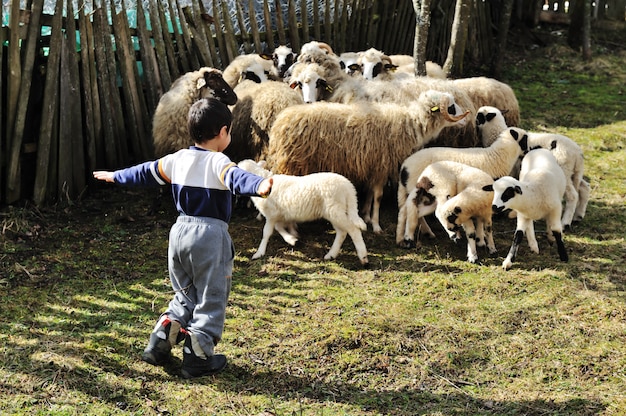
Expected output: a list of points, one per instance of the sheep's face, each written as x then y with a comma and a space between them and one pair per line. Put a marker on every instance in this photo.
348, 63
213, 85
283, 57
425, 202
505, 192
311, 85
255, 72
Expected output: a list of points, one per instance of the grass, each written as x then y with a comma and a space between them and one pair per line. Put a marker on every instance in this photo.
418, 332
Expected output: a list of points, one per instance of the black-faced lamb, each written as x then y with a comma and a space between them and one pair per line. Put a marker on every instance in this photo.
363, 141
537, 195
169, 124
283, 58
454, 192
305, 198
569, 155
496, 160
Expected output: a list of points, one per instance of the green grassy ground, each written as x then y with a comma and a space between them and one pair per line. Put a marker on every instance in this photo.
419, 332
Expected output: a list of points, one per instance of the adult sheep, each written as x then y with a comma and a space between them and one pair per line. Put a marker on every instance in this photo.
569, 155
307, 198
257, 107
169, 125
537, 195
496, 160
363, 141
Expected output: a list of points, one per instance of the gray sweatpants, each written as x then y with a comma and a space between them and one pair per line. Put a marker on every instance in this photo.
200, 262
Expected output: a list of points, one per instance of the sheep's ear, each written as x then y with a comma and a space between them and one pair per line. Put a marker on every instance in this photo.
524, 142
457, 210
424, 183
342, 64
488, 188
266, 56
355, 67
294, 84
391, 67
201, 83
514, 133
518, 190
435, 109
553, 145
490, 116
504, 111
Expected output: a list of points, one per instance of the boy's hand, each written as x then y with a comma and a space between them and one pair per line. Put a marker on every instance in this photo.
265, 187
103, 175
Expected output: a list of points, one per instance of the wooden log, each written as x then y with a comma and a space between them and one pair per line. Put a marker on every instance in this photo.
186, 34
45, 180
254, 28
2, 113
317, 31
304, 16
167, 41
293, 26
327, 31
245, 36
269, 34
229, 34
180, 51
220, 37
151, 75
159, 45
210, 38
15, 71
14, 154
280, 26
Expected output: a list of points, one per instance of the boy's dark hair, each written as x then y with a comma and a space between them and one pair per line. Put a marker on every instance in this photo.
206, 118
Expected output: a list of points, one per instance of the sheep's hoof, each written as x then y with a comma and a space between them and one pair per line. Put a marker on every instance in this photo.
365, 262
472, 260
407, 243
506, 264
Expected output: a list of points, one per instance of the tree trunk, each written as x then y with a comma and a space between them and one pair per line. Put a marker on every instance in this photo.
578, 39
458, 38
422, 24
500, 45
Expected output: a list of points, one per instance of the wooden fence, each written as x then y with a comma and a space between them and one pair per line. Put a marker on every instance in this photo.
80, 85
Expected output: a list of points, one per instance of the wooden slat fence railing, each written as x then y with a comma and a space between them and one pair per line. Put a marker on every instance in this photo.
83, 81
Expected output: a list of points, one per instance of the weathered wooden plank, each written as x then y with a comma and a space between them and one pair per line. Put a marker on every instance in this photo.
180, 51
304, 16
167, 42
209, 36
280, 26
293, 25
186, 34
159, 45
254, 28
14, 154
151, 75
245, 36
135, 113
15, 70
194, 19
269, 34
327, 29
45, 180
229, 34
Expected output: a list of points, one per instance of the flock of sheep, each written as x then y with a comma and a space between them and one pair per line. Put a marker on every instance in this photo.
325, 125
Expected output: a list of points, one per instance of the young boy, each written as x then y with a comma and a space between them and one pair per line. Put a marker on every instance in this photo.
201, 252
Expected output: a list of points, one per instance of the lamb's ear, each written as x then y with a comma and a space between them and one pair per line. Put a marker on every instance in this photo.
488, 188
266, 56
523, 142
457, 210
424, 183
490, 116
553, 145
518, 190
514, 133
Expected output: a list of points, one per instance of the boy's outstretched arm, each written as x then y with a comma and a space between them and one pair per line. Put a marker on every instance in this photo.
103, 175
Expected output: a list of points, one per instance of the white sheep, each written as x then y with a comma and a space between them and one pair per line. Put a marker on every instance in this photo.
349, 62
496, 160
257, 107
252, 66
375, 64
454, 192
283, 58
488, 91
169, 124
363, 141
568, 154
305, 198
536, 195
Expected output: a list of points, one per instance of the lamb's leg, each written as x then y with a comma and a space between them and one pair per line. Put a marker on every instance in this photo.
571, 201
340, 236
491, 245
268, 230
283, 230
366, 208
554, 228
470, 234
359, 244
401, 224
510, 258
527, 225
584, 189
480, 232
378, 196
560, 246
292, 227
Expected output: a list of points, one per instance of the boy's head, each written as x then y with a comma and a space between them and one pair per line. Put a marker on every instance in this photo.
206, 118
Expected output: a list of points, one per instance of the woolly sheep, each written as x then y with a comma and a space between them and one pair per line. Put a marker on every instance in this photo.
496, 160
169, 125
364, 142
568, 154
488, 91
454, 192
349, 62
307, 198
377, 65
257, 107
536, 195
330, 83
251, 66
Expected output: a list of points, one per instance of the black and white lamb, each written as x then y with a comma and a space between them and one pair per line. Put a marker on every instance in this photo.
537, 195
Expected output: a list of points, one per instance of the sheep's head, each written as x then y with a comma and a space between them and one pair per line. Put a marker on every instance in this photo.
504, 191
283, 57
423, 200
449, 110
212, 84
374, 62
520, 136
310, 81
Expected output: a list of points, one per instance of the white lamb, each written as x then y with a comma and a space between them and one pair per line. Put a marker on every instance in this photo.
536, 195
169, 124
490, 122
252, 66
454, 191
283, 58
307, 198
496, 160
